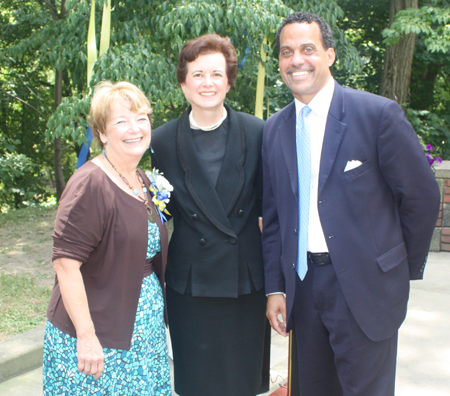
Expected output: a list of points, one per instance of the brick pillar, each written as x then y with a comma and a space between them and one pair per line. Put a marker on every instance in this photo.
441, 236
445, 233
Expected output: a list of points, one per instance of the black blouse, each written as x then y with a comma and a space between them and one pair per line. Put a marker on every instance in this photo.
211, 147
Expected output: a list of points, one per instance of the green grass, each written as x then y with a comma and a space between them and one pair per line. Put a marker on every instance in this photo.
23, 304
33, 213
23, 297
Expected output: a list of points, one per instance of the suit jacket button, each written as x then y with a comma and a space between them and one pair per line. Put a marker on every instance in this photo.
194, 216
241, 213
295, 231
201, 241
293, 266
233, 241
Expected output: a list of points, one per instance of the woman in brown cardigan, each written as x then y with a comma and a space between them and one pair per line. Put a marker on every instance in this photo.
105, 332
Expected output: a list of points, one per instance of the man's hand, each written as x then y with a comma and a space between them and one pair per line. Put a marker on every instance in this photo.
276, 305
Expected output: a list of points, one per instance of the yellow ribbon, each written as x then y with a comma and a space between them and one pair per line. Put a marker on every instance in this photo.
260, 83
106, 28
104, 37
91, 44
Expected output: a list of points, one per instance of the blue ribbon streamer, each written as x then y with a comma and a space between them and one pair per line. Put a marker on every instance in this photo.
163, 218
241, 65
82, 157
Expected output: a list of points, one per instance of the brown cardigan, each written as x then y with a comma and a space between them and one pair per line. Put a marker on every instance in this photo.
103, 227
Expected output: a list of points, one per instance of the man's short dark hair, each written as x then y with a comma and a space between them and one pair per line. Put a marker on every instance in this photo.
307, 17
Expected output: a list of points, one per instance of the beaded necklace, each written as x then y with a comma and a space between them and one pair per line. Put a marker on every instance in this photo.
207, 128
150, 212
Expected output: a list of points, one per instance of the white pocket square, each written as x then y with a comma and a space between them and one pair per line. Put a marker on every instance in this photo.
352, 165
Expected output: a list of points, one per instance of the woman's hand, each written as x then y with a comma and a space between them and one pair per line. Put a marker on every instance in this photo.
90, 355
89, 350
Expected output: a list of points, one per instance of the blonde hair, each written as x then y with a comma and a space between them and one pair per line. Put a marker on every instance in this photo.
105, 95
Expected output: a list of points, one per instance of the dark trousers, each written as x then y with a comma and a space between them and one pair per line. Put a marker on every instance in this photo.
335, 357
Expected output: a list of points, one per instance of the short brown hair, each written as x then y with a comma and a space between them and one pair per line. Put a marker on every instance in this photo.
208, 44
105, 95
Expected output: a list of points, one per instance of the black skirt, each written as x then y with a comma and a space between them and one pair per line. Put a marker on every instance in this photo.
218, 344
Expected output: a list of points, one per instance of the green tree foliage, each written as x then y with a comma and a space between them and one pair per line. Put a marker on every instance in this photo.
366, 23
430, 97
429, 104
432, 21
45, 49
20, 178
24, 94
144, 51
43, 57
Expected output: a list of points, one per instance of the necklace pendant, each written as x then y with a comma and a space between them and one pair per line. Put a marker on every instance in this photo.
151, 214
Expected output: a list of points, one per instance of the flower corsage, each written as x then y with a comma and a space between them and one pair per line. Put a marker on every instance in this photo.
160, 190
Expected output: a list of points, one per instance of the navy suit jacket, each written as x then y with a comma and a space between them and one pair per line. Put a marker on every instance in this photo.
377, 219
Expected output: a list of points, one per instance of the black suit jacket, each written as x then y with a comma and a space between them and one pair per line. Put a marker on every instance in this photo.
377, 219
216, 243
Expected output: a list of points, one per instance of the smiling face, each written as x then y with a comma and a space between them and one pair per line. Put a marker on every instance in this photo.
206, 84
304, 63
127, 135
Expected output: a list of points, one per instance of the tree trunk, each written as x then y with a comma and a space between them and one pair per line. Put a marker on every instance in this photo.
398, 59
59, 176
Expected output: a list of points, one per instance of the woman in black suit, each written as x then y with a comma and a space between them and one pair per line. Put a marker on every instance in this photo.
215, 294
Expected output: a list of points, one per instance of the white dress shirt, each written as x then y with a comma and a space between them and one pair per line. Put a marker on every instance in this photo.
317, 119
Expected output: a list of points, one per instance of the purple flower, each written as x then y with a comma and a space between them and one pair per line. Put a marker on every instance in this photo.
430, 158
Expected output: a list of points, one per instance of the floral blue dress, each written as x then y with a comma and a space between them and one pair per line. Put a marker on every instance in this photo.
143, 370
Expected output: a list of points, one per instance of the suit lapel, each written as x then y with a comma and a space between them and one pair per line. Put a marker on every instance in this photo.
334, 131
232, 176
198, 183
286, 133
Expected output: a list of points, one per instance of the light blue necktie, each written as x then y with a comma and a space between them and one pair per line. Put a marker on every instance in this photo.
304, 185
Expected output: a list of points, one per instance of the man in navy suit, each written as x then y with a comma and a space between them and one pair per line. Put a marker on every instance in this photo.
373, 205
